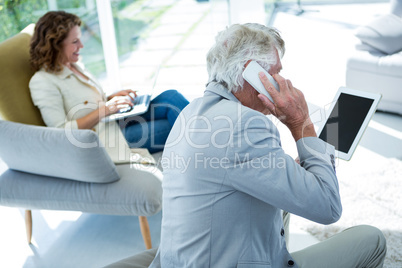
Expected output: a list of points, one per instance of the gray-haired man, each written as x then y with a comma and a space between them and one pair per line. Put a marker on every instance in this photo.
225, 193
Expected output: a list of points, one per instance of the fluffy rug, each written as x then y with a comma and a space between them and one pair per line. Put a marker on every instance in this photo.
370, 195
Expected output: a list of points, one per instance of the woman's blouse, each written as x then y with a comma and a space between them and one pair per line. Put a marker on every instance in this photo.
64, 97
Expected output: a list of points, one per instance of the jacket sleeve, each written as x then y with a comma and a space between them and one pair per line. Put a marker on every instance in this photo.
258, 166
48, 98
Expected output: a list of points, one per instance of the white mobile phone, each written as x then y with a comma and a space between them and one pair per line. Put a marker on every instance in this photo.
250, 74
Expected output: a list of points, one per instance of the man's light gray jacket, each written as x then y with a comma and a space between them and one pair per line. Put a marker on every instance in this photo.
226, 180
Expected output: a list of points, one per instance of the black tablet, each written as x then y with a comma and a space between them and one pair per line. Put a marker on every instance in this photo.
347, 119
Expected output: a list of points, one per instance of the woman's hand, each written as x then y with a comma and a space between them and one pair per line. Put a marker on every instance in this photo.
113, 106
125, 92
116, 103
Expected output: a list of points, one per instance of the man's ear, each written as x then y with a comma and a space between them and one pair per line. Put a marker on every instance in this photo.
247, 84
245, 65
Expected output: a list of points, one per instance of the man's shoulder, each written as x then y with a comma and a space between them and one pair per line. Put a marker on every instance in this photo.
214, 105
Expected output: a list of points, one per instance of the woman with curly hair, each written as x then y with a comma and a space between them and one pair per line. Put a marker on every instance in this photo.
68, 96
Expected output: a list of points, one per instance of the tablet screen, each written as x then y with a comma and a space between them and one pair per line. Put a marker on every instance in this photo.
345, 121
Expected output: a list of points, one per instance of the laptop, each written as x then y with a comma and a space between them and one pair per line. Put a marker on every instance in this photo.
140, 105
348, 118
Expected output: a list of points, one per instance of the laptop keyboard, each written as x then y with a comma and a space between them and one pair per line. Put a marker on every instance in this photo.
137, 101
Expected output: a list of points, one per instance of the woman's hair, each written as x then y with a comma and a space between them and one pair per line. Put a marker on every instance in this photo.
238, 44
46, 43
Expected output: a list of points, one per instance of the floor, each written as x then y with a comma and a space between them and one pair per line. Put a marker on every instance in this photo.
317, 45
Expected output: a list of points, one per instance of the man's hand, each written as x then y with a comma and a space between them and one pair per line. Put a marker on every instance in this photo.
289, 106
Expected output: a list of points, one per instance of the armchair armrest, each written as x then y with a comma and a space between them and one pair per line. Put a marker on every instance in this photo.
75, 155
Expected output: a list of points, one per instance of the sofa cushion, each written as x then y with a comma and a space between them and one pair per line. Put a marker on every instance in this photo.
138, 192
384, 33
377, 63
396, 7
74, 155
378, 73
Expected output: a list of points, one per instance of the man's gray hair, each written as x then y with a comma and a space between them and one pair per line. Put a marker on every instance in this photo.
238, 44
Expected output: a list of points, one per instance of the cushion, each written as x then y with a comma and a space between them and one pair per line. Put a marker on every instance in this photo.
384, 34
396, 7
138, 192
377, 63
15, 72
74, 155
364, 47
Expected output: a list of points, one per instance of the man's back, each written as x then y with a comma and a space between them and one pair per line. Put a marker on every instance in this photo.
215, 214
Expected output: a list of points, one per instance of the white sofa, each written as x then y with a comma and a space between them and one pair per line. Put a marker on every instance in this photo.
376, 65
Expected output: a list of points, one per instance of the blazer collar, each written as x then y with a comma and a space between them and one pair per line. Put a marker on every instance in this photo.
220, 90
64, 73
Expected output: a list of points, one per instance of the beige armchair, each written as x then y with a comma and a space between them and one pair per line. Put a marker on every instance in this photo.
46, 171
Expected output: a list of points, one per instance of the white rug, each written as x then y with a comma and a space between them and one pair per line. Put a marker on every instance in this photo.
372, 195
